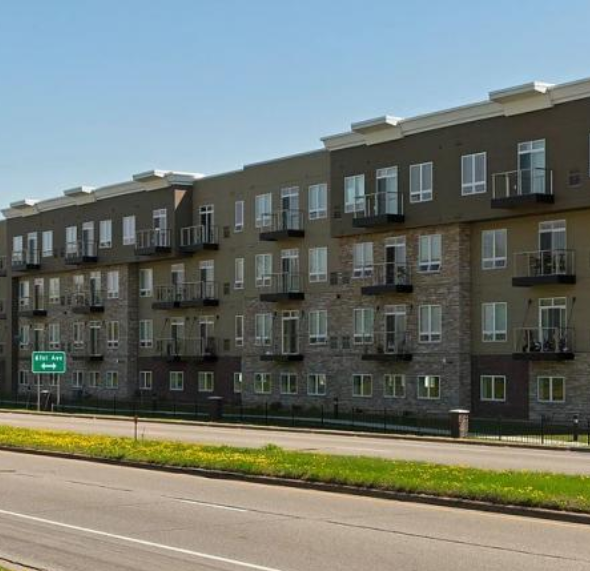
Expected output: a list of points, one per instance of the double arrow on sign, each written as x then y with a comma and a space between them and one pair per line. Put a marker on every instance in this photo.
46, 366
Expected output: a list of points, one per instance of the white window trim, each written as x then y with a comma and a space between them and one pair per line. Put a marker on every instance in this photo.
317, 393
428, 397
432, 265
468, 188
551, 400
423, 194
317, 213
393, 395
363, 375
429, 336
494, 262
494, 380
493, 333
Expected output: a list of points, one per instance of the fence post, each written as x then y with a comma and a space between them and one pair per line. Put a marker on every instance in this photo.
352, 416
384, 420
576, 427
499, 428
542, 430
174, 406
322, 415
196, 410
114, 405
266, 413
241, 412
292, 415
459, 423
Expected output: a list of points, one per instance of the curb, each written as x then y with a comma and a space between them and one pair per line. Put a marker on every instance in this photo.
320, 431
444, 501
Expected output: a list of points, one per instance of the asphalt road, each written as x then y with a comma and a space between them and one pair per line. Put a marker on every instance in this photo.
445, 453
65, 515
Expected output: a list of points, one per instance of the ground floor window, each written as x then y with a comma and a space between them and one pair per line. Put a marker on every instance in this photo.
316, 384
23, 378
77, 379
111, 380
238, 378
394, 386
206, 381
362, 385
176, 381
288, 383
146, 380
551, 389
492, 388
428, 387
262, 383
93, 379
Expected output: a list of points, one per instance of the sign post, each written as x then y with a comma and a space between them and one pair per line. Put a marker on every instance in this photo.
47, 363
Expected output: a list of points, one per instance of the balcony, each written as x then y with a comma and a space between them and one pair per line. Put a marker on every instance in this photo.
522, 188
198, 238
285, 350
544, 267
81, 252
152, 242
198, 294
389, 346
378, 209
282, 225
192, 349
544, 344
3, 267
32, 307
389, 278
87, 302
92, 350
285, 286
24, 260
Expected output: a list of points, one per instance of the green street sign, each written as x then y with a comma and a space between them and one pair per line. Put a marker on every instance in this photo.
48, 362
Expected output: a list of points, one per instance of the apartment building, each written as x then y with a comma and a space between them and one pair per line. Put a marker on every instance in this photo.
416, 264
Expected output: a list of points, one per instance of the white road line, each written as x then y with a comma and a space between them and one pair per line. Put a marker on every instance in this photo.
208, 505
161, 546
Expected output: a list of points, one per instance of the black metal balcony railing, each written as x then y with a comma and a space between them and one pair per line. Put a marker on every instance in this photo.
81, 252
544, 343
544, 267
283, 286
186, 349
197, 294
282, 224
197, 238
152, 241
88, 302
92, 349
525, 186
285, 348
389, 278
387, 346
28, 259
378, 209
32, 306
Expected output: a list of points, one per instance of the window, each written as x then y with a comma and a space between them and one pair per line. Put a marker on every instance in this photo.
146, 333
288, 382
24, 293
239, 273
263, 269
354, 193
78, 333
551, 389
421, 182
263, 206
176, 380
78, 379
362, 259
492, 388
47, 244
316, 384
262, 384
262, 328
23, 378
473, 174
111, 380
494, 249
71, 239
146, 282
54, 296
205, 381
112, 334
430, 317
318, 201
53, 335
318, 264
105, 234
430, 253
428, 387
362, 385
238, 382
238, 216
494, 321
363, 320
239, 331
128, 230
93, 379
146, 380
318, 327
113, 284
394, 386
24, 336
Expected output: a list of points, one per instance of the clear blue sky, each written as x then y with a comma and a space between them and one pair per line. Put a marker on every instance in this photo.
92, 91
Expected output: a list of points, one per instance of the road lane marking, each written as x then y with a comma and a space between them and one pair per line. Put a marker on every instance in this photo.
209, 505
143, 542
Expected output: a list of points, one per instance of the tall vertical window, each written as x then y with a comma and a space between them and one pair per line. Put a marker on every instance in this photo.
71, 239
492, 388
205, 381
53, 333
362, 259
262, 384
112, 334
176, 379
430, 253
54, 293
262, 328
430, 323
318, 327
78, 333
316, 384
47, 244
429, 387
113, 284
239, 273
105, 234
263, 210
146, 282
146, 333
128, 230
354, 193
93, 379
494, 321
421, 182
238, 382
362, 385
288, 383
146, 380
494, 249
473, 174
263, 269
238, 215
363, 321
318, 264
317, 199
239, 330
77, 379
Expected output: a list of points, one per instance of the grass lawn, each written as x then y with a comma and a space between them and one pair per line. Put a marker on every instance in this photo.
537, 489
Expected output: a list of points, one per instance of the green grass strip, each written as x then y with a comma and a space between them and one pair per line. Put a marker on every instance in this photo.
535, 489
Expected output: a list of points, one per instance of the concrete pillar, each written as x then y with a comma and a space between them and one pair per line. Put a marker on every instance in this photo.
459, 420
